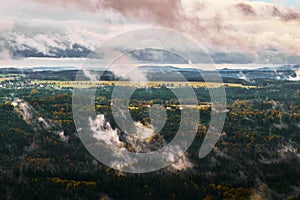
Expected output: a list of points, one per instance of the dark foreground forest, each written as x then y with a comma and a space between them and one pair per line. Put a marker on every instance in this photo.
257, 156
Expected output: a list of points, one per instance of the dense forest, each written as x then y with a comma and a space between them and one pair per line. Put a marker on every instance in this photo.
257, 156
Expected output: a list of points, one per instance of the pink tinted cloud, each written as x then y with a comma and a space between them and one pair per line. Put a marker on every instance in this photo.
233, 25
164, 12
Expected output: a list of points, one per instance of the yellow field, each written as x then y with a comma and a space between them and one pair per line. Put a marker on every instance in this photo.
6, 79
88, 84
198, 107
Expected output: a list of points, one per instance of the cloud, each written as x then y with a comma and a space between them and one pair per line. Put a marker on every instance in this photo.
215, 24
5, 54
73, 27
144, 9
6, 24
288, 15
246, 9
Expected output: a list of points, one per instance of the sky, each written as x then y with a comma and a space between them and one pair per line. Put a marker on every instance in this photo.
64, 32
290, 3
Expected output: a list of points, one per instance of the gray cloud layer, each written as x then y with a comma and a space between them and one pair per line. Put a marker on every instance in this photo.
260, 32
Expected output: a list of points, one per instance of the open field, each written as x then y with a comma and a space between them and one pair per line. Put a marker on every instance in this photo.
6, 79
87, 84
198, 107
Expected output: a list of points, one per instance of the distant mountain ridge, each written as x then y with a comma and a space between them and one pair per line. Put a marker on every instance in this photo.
285, 72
